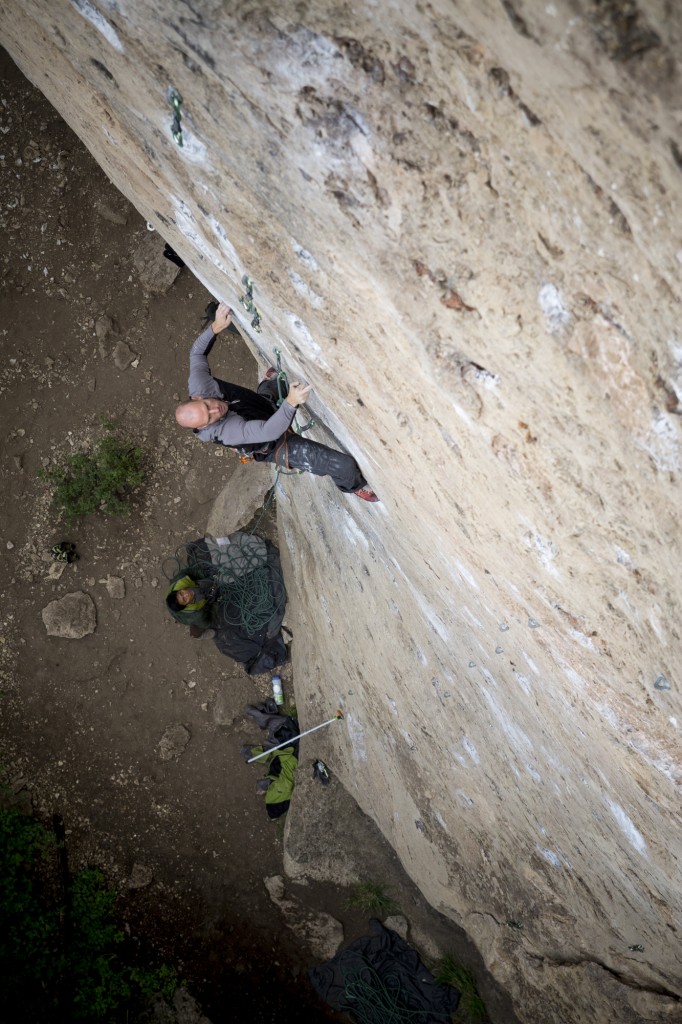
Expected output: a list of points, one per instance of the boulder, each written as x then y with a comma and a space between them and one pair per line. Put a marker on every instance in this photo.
123, 355
321, 932
104, 326
156, 274
240, 498
71, 617
141, 875
173, 742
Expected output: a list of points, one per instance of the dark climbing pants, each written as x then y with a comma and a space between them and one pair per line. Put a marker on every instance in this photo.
294, 451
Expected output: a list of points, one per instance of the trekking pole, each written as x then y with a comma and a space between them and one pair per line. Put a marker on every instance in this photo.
287, 743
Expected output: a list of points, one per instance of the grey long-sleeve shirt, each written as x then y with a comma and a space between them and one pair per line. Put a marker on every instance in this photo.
232, 430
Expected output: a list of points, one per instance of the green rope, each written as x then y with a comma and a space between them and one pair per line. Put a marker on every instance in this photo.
242, 581
373, 999
269, 498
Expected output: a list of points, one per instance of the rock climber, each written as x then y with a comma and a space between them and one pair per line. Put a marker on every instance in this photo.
249, 422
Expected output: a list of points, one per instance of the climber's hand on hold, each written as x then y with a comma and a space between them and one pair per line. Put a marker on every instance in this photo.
223, 318
298, 393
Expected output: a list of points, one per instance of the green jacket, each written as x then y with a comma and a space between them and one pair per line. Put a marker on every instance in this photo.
281, 766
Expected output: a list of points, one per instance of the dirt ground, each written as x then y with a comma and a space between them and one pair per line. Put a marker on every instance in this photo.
82, 719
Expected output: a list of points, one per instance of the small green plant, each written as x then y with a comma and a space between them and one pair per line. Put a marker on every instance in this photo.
97, 481
372, 898
63, 955
99, 979
29, 928
471, 1006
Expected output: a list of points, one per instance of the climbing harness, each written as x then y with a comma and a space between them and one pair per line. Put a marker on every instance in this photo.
249, 305
337, 717
175, 100
281, 458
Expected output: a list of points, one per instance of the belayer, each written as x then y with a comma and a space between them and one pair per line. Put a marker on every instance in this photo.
250, 423
231, 590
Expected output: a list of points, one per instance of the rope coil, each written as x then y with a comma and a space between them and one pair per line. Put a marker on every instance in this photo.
246, 590
372, 998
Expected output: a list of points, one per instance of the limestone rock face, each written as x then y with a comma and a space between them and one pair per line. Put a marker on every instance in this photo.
71, 617
461, 224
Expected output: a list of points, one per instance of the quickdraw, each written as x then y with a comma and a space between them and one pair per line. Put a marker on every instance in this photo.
281, 395
175, 100
249, 305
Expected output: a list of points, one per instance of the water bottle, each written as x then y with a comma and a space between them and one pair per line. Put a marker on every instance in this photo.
277, 693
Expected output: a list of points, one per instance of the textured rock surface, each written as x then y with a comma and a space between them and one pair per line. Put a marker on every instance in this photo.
237, 503
71, 617
321, 932
155, 272
173, 742
462, 225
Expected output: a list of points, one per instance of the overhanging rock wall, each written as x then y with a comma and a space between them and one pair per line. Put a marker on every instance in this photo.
462, 222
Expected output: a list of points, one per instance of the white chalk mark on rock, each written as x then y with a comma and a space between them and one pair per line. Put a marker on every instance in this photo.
357, 737
551, 304
304, 290
97, 19
634, 837
471, 750
551, 857
304, 255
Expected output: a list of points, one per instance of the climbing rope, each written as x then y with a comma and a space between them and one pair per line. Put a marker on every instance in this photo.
247, 591
269, 498
375, 999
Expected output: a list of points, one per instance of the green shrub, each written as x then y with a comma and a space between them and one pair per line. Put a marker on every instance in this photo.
63, 956
29, 927
372, 898
471, 1006
98, 481
99, 982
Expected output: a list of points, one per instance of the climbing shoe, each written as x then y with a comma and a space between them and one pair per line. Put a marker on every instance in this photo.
269, 374
64, 552
321, 772
366, 493
209, 313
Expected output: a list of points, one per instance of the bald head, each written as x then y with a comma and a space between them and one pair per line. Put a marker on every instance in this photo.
200, 412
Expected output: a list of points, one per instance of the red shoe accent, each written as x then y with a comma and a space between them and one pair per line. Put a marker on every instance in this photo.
366, 493
269, 374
